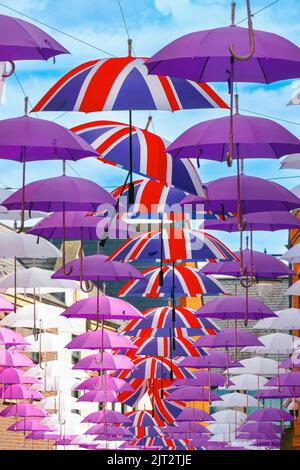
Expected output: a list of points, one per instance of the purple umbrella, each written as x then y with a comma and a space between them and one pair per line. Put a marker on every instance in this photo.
214, 360
234, 307
270, 414
260, 427
101, 339
105, 382
104, 361
31, 424
109, 308
20, 392
99, 396
290, 379
107, 416
192, 394
193, 414
256, 221
5, 305
108, 430
62, 193
284, 392
10, 376
26, 139
14, 359
23, 410
11, 338
228, 338
21, 40
209, 378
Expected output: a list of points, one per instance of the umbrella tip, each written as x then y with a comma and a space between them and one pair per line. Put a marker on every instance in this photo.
129, 42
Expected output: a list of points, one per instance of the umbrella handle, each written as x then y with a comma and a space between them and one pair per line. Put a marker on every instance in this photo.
251, 38
98, 316
66, 272
11, 71
35, 333
89, 287
23, 159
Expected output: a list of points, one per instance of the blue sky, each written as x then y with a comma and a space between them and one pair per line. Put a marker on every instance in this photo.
151, 24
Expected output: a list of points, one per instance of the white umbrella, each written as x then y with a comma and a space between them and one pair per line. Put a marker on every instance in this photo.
294, 289
256, 365
229, 416
274, 343
224, 437
247, 382
36, 280
42, 316
236, 399
54, 384
288, 319
296, 189
222, 428
292, 162
70, 422
61, 402
45, 342
55, 368
292, 255
22, 245
15, 214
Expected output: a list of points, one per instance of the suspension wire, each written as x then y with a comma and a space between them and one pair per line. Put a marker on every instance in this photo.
258, 11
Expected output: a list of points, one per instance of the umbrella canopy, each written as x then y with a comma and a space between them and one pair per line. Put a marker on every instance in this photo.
31, 424
264, 266
229, 416
276, 393
10, 376
23, 410
164, 346
290, 379
44, 342
290, 162
99, 396
188, 282
205, 56
160, 318
107, 416
105, 383
144, 418
36, 280
124, 84
212, 379
294, 289
177, 245
22, 245
235, 399
260, 427
254, 137
149, 158
61, 403
154, 368
292, 255
104, 361
14, 359
109, 307
274, 343
256, 195
98, 267
192, 394
256, 365
258, 221
234, 307
55, 369
15, 215
214, 360
270, 414
30, 139
228, 337
194, 414
287, 319
5, 305
247, 382
101, 339
61, 193
109, 430
185, 428
20, 392
21, 40
11, 338
77, 225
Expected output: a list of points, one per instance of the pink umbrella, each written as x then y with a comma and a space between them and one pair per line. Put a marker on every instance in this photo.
23, 410
10, 376
14, 359
20, 392
11, 338
100, 396
101, 339
5, 305
108, 430
104, 361
31, 424
109, 308
107, 416
106, 382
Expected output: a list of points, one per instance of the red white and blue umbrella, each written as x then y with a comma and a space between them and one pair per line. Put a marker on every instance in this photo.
165, 347
123, 83
132, 398
173, 244
149, 158
154, 368
144, 418
165, 410
188, 281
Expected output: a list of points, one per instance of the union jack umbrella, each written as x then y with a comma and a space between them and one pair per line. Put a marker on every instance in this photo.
154, 368
140, 387
163, 409
188, 281
160, 319
149, 158
144, 418
123, 83
162, 442
164, 347
173, 244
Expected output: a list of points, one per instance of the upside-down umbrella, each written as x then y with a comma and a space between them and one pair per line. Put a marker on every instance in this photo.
60, 194
26, 139
125, 85
185, 280
149, 158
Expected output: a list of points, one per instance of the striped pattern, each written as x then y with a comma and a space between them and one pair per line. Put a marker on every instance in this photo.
166, 411
111, 140
163, 347
144, 418
188, 282
161, 318
178, 245
154, 368
122, 84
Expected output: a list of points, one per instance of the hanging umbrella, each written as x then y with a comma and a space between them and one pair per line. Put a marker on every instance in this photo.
5, 305
290, 379
26, 139
14, 359
260, 427
187, 428
60, 194
294, 289
11, 376
235, 399
209, 378
292, 255
159, 320
271, 414
167, 411
192, 394
99, 396
153, 368
109, 308
104, 361
227, 338
256, 365
109, 430
107, 416
19, 392
107, 382
11, 338
101, 339
61, 403
229, 416
165, 347
287, 319
194, 414
15, 215
44, 342
55, 368
188, 282
247, 382
213, 360
31, 424
290, 162
274, 343
149, 158
23, 410
144, 418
